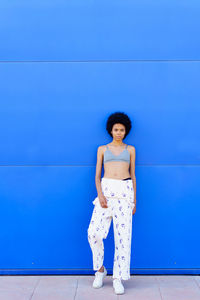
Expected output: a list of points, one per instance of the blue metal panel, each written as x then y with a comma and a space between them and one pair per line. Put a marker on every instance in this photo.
99, 30
45, 213
47, 107
42, 215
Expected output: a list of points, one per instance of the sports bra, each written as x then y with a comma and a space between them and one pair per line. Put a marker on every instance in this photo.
123, 156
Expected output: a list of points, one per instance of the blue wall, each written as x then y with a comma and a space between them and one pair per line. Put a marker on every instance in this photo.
64, 67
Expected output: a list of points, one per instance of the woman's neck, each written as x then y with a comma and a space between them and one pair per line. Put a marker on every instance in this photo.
117, 143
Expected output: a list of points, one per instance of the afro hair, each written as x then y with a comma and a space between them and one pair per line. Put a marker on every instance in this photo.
118, 117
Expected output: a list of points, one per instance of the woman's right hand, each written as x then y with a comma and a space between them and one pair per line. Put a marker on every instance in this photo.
103, 201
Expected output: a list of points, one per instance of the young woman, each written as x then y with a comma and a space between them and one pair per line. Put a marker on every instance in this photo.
116, 201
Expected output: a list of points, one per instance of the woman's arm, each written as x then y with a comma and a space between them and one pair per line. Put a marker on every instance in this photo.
98, 170
132, 172
102, 198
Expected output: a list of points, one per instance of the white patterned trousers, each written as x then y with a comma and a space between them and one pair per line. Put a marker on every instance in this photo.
120, 201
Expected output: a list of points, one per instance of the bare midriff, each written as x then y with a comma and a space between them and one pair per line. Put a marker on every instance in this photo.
116, 170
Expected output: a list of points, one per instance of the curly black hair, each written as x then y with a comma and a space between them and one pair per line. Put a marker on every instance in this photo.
118, 117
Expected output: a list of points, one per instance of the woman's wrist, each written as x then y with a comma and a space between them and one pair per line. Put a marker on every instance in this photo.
100, 194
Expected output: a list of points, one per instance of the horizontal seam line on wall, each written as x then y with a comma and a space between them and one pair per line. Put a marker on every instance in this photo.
99, 61
86, 269
146, 165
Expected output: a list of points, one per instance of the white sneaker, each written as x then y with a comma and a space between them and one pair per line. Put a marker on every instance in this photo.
99, 276
118, 286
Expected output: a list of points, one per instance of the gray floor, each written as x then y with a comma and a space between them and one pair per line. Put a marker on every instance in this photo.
139, 287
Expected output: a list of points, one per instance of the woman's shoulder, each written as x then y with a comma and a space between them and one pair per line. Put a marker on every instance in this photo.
131, 148
102, 148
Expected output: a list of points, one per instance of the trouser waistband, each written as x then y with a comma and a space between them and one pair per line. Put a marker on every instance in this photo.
114, 179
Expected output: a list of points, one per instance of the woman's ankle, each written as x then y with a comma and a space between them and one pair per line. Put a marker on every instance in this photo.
101, 269
117, 279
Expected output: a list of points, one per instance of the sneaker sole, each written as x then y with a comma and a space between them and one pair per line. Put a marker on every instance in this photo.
118, 293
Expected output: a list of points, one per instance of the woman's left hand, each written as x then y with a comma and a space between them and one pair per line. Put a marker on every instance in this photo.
134, 209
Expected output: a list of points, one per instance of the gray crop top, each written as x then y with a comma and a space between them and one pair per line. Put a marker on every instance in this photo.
123, 156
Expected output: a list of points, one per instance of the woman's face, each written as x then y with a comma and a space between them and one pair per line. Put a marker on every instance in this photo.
118, 131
